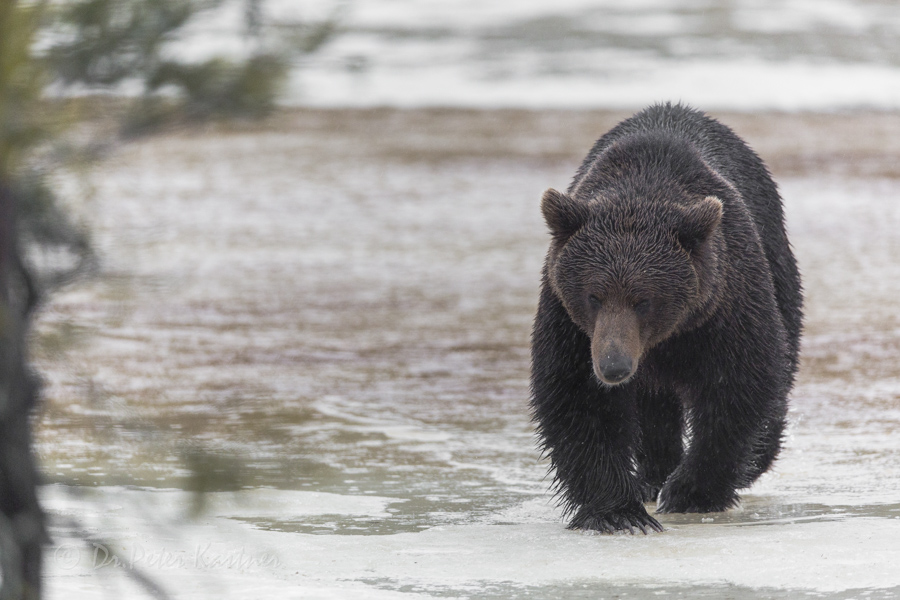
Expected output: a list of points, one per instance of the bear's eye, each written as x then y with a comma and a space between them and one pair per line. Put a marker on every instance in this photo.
642, 307
595, 301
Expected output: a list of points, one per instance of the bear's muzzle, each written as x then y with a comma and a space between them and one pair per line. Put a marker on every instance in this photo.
615, 345
614, 368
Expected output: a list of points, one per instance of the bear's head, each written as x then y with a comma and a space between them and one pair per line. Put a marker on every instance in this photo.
633, 272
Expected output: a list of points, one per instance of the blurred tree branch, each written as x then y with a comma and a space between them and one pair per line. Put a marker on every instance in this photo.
98, 45
104, 44
110, 40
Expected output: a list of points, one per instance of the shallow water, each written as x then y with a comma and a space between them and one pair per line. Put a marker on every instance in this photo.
741, 54
325, 322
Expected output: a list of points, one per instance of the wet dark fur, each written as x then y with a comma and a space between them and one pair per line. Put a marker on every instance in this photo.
727, 305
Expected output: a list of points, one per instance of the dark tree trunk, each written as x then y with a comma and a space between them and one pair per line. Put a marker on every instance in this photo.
22, 530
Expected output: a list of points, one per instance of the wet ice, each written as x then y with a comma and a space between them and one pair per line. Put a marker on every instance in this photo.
355, 343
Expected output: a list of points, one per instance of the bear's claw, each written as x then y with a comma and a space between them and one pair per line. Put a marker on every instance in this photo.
614, 522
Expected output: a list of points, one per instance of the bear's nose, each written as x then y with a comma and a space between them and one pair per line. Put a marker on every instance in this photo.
615, 368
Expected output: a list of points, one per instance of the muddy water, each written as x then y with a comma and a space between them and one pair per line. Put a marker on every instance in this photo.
325, 321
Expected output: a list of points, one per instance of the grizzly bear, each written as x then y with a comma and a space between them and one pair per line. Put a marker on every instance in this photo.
668, 326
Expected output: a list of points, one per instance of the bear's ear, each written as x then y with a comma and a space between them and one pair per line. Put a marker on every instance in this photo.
698, 222
564, 215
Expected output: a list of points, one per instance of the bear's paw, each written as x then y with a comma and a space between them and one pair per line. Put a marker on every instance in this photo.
680, 496
650, 492
629, 520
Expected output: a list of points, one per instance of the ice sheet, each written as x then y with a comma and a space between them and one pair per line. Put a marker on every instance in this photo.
339, 321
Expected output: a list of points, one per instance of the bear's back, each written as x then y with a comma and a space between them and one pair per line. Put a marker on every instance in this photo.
717, 144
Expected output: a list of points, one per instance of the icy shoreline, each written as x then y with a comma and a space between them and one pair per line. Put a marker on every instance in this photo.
340, 302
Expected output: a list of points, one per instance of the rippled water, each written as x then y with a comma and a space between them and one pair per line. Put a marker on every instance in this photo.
741, 54
735, 55
326, 323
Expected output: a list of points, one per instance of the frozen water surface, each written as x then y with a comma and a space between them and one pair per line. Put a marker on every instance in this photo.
740, 54
326, 321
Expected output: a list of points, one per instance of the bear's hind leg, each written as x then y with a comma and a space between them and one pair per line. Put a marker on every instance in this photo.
723, 455
768, 446
661, 445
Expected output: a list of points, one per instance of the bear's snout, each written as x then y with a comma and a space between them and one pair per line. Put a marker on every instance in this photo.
614, 368
615, 345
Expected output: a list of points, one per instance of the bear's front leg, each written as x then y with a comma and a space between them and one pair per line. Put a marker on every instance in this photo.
736, 421
588, 430
591, 450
